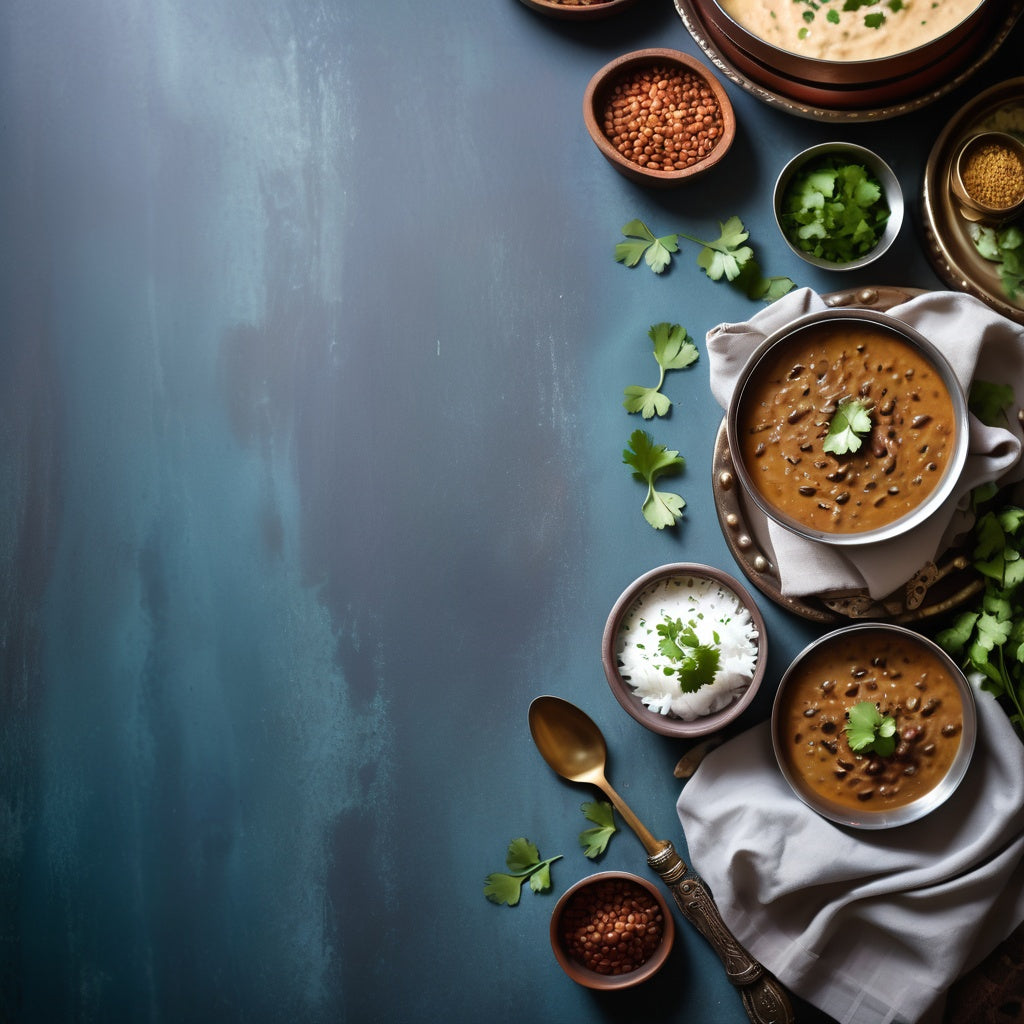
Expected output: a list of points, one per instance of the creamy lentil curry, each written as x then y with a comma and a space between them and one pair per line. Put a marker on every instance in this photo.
825, 30
786, 407
905, 679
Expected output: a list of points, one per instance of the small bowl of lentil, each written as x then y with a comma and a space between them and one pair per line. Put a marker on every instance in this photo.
578, 10
987, 177
873, 725
612, 930
839, 206
659, 116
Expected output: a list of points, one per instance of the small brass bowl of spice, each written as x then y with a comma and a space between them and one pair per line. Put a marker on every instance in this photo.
839, 206
987, 177
578, 10
612, 930
873, 725
684, 649
659, 116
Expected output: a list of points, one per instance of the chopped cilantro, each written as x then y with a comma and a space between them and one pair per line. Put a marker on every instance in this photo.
694, 664
1005, 248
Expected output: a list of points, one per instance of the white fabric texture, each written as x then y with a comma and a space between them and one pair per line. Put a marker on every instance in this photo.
869, 926
977, 341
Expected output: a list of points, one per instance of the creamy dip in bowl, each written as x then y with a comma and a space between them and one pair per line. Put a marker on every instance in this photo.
821, 41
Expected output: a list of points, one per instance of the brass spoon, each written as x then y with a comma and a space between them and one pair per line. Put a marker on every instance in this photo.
573, 745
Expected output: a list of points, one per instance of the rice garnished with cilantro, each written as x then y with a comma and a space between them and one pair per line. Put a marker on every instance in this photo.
687, 647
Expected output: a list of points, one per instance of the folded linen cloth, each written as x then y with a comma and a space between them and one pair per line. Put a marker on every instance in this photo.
978, 342
869, 926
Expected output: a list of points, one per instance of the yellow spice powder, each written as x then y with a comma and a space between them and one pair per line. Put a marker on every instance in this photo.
994, 176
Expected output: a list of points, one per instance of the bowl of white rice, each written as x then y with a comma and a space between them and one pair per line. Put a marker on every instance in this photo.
684, 649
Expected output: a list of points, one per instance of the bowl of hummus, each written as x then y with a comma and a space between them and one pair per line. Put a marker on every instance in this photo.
836, 44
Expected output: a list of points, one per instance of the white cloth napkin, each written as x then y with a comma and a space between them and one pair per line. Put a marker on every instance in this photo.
869, 926
977, 341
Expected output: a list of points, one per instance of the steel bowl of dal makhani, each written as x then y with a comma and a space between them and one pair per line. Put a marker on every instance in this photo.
873, 725
684, 649
848, 427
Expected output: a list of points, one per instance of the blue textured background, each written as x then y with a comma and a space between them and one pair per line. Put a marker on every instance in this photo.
311, 357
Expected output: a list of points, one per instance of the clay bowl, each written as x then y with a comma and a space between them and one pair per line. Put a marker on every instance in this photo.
903, 467
673, 587
574, 909
671, 63
573, 12
907, 678
963, 39
845, 153
973, 204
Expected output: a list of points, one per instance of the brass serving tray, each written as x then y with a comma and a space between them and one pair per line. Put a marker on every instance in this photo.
937, 587
949, 246
837, 105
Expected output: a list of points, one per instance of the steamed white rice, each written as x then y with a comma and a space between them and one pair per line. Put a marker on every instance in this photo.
710, 608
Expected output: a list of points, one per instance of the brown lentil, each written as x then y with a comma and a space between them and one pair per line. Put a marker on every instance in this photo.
662, 118
611, 926
993, 176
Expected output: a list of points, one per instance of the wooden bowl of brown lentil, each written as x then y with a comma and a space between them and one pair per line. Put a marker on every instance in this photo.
578, 10
612, 930
660, 117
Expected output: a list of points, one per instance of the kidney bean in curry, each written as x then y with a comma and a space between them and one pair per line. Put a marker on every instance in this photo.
904, 679
789, 401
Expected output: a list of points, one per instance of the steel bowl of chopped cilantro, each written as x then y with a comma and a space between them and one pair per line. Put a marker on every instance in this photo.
839, 206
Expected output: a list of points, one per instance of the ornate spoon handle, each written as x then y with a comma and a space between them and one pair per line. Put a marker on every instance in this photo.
764, 998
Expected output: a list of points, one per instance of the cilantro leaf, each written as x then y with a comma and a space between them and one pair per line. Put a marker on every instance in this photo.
595, 840
673, 350
649, 462
1004, 247
726, 256
696, 664
851, 420
867, 730
989, 401
641, 243
523, 862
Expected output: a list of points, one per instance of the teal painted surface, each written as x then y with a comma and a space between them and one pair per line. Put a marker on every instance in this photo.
310, 479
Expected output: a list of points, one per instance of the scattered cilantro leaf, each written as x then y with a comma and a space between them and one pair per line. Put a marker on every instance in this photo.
989, 401
834, 210
673, 350
595, 840
649, 462
851, 420
724, 257
988, 637
695, 664
641, 243
868, 731
1004, 247
524, 864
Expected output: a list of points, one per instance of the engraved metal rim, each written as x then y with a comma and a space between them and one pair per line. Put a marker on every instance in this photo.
950, 476
873, 820
623, 692
695, 26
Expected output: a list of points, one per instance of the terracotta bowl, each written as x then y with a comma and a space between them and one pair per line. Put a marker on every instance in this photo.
573, 910
906, 465
970, 34
640, 591
574, 12
909, 679
848, 153
624, 70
